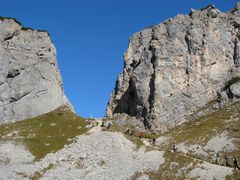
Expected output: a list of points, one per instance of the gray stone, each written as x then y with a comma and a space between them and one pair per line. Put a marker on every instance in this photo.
100, 155
173, 69
235, 89
30, 81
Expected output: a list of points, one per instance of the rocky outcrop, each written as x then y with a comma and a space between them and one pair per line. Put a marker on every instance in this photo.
30, 81
173, 69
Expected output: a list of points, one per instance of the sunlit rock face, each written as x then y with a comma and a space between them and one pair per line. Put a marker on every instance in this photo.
30, 81
173, 69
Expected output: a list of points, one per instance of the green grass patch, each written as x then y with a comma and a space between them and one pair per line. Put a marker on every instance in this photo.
208, 126
199, 132
46, 133
136, 176
135, 137
177, 165
171, 169
202, 130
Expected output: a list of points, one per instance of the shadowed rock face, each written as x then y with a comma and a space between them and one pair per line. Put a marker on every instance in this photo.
173, 69
30, 81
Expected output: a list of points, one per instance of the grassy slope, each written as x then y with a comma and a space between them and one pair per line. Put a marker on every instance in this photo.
200, 132
178, 165
46, 133
50, 132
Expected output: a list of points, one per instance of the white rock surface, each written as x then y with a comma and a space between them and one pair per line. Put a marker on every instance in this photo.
13, 159
193, 148
30, 81
173, 69
219, 143
100, 155
162, 140
143, 177
235, 89
104, 155
205, 171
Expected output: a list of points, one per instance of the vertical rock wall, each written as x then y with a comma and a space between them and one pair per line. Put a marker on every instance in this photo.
30, 81
173, 69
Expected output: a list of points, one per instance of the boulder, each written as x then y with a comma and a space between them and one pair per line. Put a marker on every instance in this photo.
235, 89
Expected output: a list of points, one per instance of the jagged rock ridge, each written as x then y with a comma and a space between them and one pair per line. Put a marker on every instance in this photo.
173, 69
30, 81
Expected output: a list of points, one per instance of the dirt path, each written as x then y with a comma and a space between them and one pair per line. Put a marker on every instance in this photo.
96, 128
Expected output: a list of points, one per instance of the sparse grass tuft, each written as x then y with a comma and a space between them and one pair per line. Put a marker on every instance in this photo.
136, 176
178, 165
135, 137
171, 169
207, 126
46, 133
27, 28
37, 175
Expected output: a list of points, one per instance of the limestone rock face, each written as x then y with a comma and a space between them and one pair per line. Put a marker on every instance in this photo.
235, 90
173, 69
30, 81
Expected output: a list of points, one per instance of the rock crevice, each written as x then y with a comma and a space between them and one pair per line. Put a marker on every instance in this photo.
178, 67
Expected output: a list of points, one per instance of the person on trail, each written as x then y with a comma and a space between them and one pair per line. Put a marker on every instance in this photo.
140, 134
235, 163
174, 148
131, 132
127, 131
102, 125
227, 161
217, 159
154, 141
108, 125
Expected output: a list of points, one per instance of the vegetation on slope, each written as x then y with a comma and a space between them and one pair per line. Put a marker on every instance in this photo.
136, 134
203, 129
199, 132
50, 132
46, 133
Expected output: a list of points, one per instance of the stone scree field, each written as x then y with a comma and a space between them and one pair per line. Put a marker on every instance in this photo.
60, 145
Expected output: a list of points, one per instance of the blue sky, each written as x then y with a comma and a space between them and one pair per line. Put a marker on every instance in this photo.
91, 37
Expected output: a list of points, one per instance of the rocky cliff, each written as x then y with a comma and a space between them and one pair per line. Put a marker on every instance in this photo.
174, 69
30, 81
